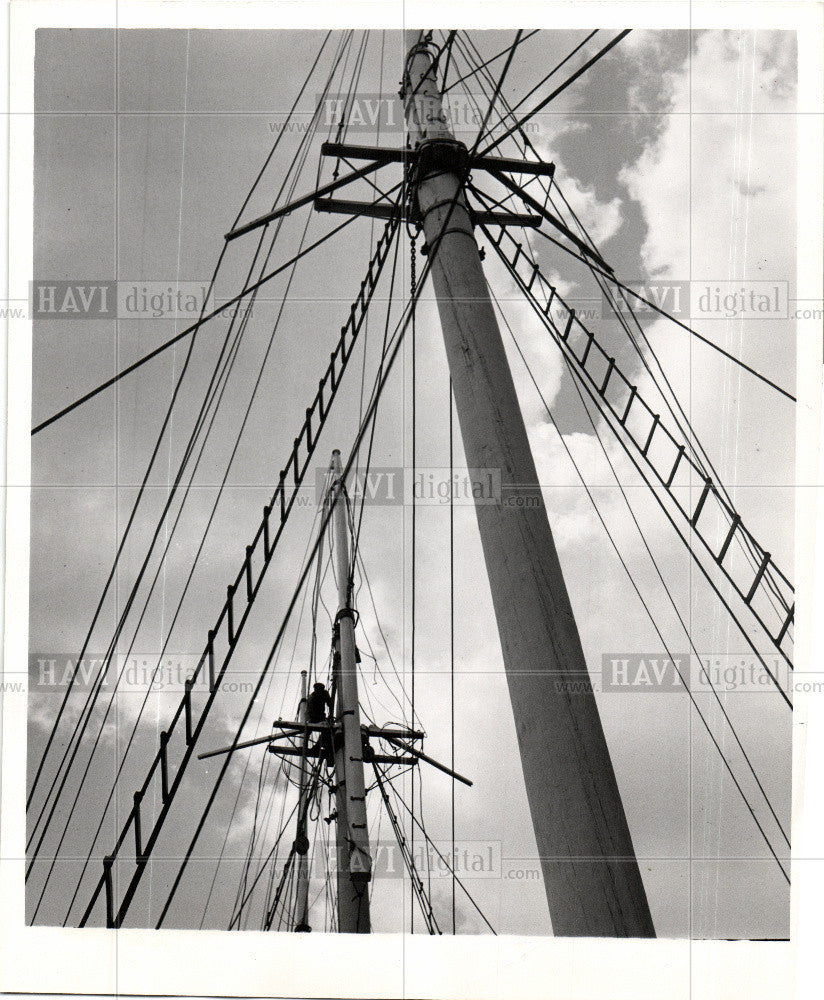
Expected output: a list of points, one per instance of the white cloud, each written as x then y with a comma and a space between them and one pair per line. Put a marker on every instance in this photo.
691, 181
717, 191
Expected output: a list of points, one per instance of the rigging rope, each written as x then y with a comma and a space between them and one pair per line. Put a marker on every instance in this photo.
203, 318
627, 290
488, 62
236, 914
412, 298
371, 243
452, 633
419, 893
195, 327
415, 719
149, 689
389, 302
542, 104
434, 847
283, 765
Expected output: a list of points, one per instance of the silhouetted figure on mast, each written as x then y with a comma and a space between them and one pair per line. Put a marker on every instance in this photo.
319, 710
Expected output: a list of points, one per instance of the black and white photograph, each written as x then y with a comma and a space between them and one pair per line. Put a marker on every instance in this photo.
413, 461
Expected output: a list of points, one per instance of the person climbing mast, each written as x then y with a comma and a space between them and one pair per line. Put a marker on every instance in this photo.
318, 704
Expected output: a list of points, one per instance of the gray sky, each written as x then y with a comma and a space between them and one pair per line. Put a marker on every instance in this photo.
679, 154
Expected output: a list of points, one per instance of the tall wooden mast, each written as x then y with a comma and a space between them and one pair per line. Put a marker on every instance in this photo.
591, 875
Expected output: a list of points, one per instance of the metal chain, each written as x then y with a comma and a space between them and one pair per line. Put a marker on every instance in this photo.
413, 237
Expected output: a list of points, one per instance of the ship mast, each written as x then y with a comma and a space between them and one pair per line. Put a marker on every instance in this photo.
591, 875
353, 855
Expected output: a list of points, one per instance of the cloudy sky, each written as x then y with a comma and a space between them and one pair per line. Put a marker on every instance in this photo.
678, 153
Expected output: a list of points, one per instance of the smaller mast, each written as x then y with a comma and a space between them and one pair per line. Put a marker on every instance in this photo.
354, 857
351, 744
301, 837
